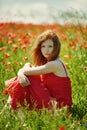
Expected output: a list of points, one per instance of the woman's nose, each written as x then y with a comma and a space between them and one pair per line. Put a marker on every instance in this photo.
46, 49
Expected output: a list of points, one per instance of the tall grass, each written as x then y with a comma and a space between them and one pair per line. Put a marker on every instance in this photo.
15, 44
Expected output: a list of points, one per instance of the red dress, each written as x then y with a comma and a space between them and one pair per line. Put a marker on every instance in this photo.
40, 92
59, 88
35, 95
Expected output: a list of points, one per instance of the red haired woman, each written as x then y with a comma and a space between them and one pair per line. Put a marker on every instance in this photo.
47, 79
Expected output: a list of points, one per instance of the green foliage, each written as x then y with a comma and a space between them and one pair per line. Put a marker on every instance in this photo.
44, 119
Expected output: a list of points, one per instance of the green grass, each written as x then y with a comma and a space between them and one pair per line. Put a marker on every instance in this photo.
45, 119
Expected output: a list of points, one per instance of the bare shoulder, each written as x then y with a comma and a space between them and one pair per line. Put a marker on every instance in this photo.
59, 64
52, 65
61, 71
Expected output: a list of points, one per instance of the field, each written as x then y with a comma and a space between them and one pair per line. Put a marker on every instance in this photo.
16, 40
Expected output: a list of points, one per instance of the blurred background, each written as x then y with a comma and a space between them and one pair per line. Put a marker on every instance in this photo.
43, 11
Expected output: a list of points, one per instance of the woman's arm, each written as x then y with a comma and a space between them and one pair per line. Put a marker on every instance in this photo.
49, 67
26, 66
23, 80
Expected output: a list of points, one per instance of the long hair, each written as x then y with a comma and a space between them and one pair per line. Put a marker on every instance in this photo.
38, 58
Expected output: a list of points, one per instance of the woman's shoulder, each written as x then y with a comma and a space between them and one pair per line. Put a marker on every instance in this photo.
58, 62
54, 62
62, 71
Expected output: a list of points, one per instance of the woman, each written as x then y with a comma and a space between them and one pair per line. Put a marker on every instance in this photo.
45, 81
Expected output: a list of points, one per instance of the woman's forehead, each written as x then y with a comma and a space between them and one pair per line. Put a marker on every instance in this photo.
48, 41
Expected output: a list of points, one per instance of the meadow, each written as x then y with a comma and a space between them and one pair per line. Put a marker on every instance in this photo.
16, 40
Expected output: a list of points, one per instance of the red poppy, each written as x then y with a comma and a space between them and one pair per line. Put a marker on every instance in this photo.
7, 55
62, 128
23, 47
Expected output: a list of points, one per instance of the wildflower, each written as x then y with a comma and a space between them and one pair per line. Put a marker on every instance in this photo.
64, 37
26, 41
23, 47
3, 48
73, 44
19, 39
62, 128
15, 47
11, 35
8, 63
7, 70
67, 56
15, 63
86, 69
21, 63
5, 92
7, 55
66, 64
10, 42
3, 62
0, 39
29, 35
20, 42
84, 45
25, 58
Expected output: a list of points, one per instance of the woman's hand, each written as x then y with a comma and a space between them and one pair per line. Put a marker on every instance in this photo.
27, 65
23, 80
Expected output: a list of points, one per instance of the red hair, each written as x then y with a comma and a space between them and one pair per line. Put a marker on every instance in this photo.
38, 58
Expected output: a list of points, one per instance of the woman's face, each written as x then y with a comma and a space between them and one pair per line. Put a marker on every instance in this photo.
47, 48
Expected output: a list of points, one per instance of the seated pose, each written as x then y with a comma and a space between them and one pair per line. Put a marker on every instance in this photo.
45, 81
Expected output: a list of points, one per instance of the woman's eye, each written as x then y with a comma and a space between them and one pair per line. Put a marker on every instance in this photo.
42, 46
50, 46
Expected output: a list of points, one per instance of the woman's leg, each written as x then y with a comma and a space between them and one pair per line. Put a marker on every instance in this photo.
34, 94
39, 92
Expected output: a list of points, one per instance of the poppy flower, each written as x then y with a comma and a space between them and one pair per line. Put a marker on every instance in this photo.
23, 47
62, 128
7, 55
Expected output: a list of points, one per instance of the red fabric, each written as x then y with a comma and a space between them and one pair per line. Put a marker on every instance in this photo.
35, 94
40, 92
59, 88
